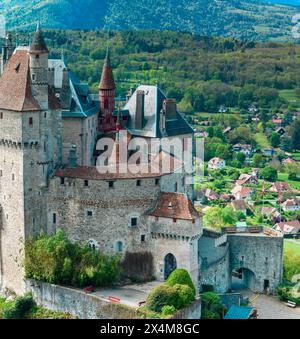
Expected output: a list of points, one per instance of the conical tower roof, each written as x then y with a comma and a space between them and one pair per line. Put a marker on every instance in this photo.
38, 44
107, 79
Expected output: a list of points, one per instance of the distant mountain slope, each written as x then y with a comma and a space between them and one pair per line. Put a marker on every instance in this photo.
237, 18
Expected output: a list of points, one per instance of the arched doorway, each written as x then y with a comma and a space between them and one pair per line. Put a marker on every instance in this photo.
242, 278
170, 265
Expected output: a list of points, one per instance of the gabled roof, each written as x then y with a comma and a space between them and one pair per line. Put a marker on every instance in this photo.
175, 206
239, 205
15, 89
154, 99
80, 107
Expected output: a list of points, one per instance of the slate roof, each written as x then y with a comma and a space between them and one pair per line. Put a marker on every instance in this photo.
238, 312
154, 98
82, 104
15, 89
38, 43
175, 206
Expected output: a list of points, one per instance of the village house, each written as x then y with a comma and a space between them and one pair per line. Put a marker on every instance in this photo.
280, 187
277, 121
291, 205
216, 163
269, 152
243, 148
280, 130
243, 193
208, 194
246, 179
240, 206
288, 228
289, 161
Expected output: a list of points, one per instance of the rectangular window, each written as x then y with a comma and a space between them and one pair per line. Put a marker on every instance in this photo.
62, 181
54, 218
89, 214
174, 220
30, 121
139, 183
143, 238
176, 187
86, 183
1, 115
134, 222
111, 184
157, 181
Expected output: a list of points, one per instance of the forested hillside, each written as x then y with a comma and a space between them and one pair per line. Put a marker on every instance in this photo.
252, 20
201, 73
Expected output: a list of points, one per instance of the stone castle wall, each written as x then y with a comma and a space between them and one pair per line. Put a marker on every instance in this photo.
259, 254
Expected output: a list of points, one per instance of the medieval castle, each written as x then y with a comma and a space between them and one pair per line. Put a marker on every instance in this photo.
49, 128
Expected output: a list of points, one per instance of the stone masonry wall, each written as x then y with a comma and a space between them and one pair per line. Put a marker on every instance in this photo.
261, 255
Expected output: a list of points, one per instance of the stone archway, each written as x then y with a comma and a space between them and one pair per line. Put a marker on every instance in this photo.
170, 265
243, 278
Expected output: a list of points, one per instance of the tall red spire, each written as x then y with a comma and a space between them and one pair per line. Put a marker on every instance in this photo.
107, 93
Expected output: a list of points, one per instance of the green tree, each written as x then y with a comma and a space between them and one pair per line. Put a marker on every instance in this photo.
275, 139
257, 160
269, 173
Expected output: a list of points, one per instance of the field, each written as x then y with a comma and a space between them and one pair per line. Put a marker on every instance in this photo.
262, 140
292, 246
291, 97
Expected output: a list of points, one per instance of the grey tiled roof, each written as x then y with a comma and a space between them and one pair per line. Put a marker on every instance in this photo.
154, 98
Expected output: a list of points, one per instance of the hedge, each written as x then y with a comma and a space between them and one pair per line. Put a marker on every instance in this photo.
181, 277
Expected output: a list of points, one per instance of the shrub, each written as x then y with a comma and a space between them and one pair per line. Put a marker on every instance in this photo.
212, 306
181, 277
168, 310
56, 260
20, 308
186, 295
162, 296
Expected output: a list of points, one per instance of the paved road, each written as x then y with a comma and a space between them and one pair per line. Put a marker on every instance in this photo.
270, 307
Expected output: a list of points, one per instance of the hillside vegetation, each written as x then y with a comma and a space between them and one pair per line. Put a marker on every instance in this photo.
201, 73
234, 18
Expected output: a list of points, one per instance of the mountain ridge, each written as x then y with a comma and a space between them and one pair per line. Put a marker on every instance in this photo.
257, 20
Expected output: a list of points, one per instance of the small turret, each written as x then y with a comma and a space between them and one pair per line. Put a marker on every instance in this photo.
107, 93
39, 68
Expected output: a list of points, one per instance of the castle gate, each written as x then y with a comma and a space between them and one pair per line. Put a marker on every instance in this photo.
243, 278
170, 265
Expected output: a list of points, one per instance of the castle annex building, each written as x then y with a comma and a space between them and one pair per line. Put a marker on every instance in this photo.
49, 128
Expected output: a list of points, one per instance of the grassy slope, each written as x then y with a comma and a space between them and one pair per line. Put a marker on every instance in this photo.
293, 247
293, 184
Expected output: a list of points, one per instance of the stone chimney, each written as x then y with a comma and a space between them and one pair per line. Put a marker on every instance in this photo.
73, 157
140, 110
162, 122
65, 94
170, 108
